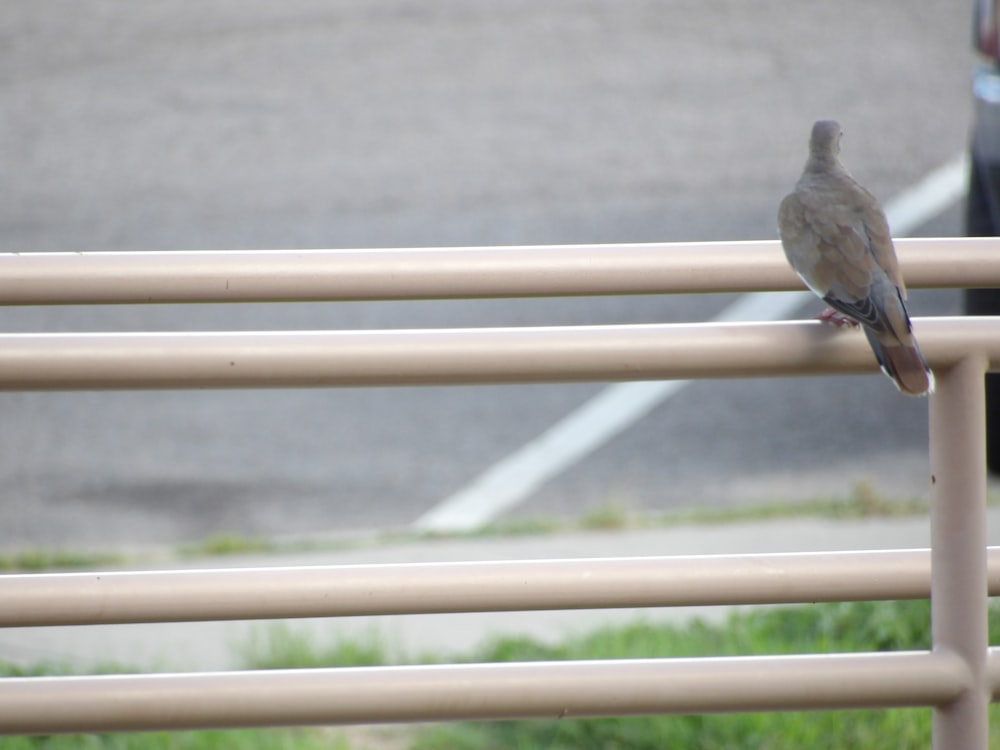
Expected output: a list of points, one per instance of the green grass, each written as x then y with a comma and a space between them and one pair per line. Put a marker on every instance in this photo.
281, 646
39, 559
864, 501
823, 628
612, 516
228, 544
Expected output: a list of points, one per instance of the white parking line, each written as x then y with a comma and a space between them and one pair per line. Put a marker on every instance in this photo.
516, 477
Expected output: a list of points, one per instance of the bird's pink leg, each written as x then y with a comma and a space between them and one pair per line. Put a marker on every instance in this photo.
829, 315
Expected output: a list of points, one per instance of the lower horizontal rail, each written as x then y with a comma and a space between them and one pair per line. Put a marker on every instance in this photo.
117, 703
424, 588
302, 359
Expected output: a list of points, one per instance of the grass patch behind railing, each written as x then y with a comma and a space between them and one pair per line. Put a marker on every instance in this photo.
228, 544
40, 559
282, 646
862, 626
823, 628
864, 501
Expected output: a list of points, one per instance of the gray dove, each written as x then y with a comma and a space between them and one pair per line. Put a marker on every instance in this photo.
837, 239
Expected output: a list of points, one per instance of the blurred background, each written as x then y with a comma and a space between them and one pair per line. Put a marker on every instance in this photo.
380, 123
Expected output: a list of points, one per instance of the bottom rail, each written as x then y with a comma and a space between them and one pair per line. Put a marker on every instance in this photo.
117, 703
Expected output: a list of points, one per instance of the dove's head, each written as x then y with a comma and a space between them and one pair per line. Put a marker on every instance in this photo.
824, 143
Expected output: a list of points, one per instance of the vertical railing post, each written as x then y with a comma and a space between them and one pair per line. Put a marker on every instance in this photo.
958, 546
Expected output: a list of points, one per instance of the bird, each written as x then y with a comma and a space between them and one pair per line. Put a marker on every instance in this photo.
837, 239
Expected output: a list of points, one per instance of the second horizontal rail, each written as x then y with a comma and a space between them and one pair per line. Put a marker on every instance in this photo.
303, 359
425, 588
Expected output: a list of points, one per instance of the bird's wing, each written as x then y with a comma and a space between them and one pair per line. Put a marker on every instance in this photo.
838, 255
879, 237
827, 247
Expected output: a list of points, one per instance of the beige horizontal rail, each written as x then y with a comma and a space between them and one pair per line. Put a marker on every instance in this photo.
424, 588
478, 691
443, 273
114, 361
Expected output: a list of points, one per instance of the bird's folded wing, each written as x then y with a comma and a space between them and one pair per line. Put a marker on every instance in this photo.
826, 248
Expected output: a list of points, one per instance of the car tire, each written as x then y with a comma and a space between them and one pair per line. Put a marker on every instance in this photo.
982, 209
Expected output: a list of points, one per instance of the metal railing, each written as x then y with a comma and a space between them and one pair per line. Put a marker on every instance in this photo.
957, 677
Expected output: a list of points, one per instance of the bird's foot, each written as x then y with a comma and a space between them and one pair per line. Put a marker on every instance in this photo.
829, 315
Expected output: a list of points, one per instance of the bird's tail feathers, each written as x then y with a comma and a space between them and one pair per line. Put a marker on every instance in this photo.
905, 365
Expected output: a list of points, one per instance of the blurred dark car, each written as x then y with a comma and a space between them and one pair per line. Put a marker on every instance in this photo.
982, 217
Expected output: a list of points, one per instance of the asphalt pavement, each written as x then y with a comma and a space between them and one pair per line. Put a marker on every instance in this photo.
463, 122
